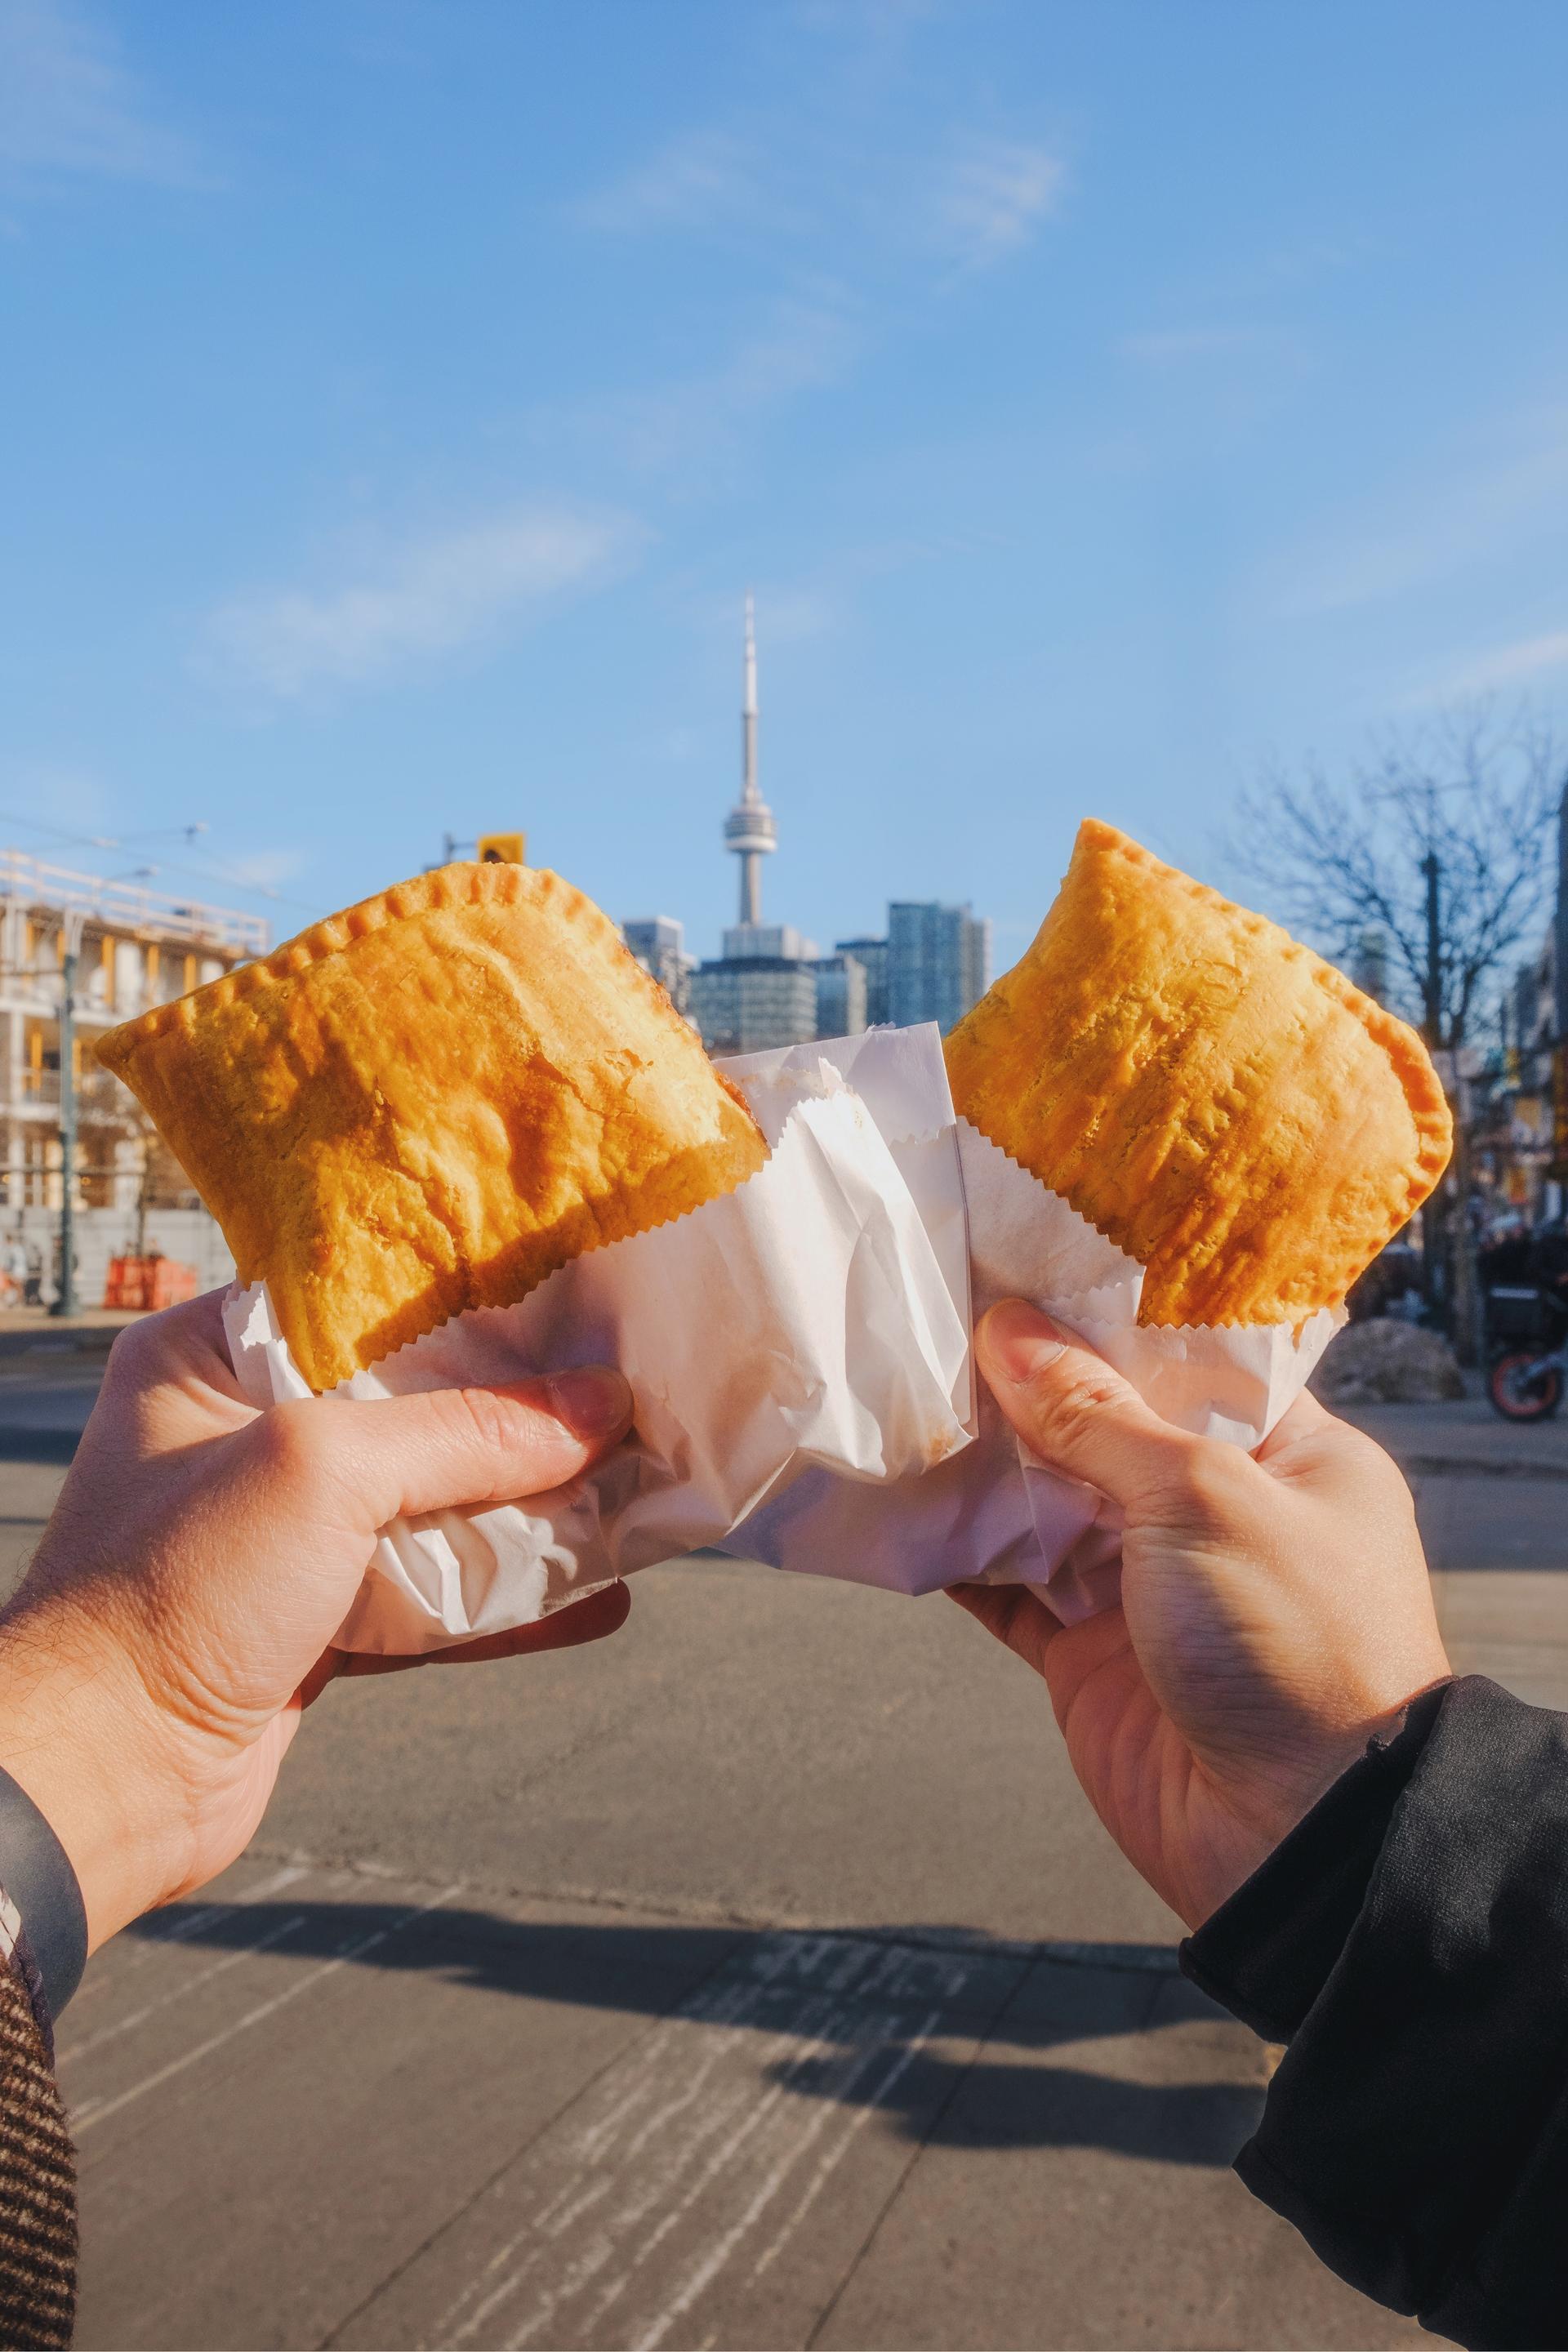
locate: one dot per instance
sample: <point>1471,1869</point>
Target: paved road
<point>759,1978</point>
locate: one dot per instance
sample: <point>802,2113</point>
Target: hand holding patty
<point>181,1607</point>
<point>1276,1612</point>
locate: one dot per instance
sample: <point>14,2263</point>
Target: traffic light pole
<point>1434,987</point>
<point>64,1295</point>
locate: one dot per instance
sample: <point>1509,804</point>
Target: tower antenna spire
<point>749,829</point>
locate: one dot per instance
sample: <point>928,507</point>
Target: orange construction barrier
<point>144,1283</point>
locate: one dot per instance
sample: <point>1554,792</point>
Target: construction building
<point>134,948</point>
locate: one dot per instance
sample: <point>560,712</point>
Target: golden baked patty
<point>432,1101</point>
<point>1214,1097</point>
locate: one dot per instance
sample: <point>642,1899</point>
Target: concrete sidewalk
<point>30,1336</point>
<point>321,2108</point>
<point>1441,1441</point>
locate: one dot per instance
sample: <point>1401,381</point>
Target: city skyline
<point>772,986</point>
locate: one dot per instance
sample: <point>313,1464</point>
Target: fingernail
<point>1018,1341</point>
<point>591,1399</point>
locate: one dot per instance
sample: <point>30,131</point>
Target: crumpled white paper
<point>994,1513</point>
<point>814,1320</point>
<point>799,1355</point>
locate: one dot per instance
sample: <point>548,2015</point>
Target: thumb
<point>1075,1412</point>
<point>385,1457</point>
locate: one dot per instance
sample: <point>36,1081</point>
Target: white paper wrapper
<point>994,1512</point>
<point>815,1319</point>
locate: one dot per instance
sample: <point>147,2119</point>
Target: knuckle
<point>1364,1455</point>
<point>490,1422</point>
<point>288,1440</point>
<point>480,1413</point>
<point>1209,1484</point>
<point>132,1352</point>
<point>1067,1412</point>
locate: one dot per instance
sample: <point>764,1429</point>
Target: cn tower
<point>749,829</point>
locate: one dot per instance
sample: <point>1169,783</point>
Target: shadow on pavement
<point>835,1992</point>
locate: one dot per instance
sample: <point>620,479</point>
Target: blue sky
<point>399,395</point>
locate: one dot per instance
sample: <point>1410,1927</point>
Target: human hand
<point>179,1613</point>
<point>1276,1612</point>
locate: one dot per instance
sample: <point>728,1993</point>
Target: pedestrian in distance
<point>15,1269</point>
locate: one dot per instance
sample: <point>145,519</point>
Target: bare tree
<point>1442,842</point>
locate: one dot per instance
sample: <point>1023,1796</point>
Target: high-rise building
<point>840,996</point>
<point>659,946</point>
<point>743,1004</point>
<point>938,961</point>
<point>744,939</point>
<point>871,955</point>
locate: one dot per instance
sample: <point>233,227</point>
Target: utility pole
<point>1434,1220</point>
<point>1434,988</point>
<point>1557,1173</point>
<point>1466,1308</point>
<point>65,1296</point>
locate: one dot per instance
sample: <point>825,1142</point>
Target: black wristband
<point>36,1874</point>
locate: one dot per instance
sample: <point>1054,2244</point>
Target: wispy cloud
<point>995,195</point>
<point>262,869</point>
<point>692,432</point>
<point>701,180</point>
<point>70,104</point>
<point>430,599</point>
<point>1478,513</point>
<point>1510,665</point>
<point>818,604</point>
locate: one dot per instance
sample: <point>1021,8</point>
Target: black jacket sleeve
<point>1409,1943</point>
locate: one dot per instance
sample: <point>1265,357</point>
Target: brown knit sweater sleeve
<point>38,2183</point>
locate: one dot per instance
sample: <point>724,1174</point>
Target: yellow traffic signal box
<point>502,848</point>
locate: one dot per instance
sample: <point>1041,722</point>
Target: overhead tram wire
<point>214,872</point>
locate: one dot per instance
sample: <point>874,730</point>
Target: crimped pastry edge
<point>464,883</point>
<point>1419,1082</point>
<point>1429,1104</point>
<point>1294,1324</point>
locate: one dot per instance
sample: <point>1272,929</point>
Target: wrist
<point>1268,1949</point>
<point>78,1733</point>
<point>1264,1809</point>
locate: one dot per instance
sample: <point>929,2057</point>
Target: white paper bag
<point>994,1512</point>
<point>816,1319</point>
